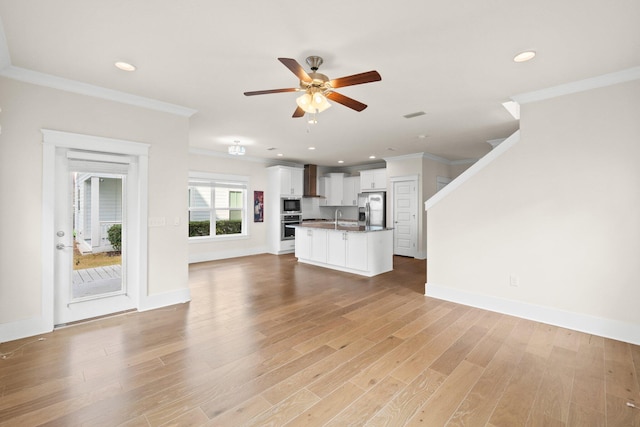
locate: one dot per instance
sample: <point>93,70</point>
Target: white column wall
<point>558,215</point>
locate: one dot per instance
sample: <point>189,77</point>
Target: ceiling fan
<point>317,87</point>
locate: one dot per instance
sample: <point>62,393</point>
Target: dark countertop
<point>327,225</point>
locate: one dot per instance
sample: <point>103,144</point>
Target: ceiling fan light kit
<point>318,88</point>
<point>313,102</point>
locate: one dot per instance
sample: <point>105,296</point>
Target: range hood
<point>310,181</point>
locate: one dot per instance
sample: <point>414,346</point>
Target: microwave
<point>290,205</point>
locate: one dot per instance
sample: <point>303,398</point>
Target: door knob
<point>61,246</point>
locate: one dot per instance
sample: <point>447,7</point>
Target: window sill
<point>211,239</point>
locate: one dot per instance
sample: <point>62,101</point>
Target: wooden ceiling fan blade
<point>296,69</point>
<point>346,101</point>
<point>298,113</point>
<point>356,79</point>
<point>264,92</point>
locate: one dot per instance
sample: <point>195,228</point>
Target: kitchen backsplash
<point>312,210</point>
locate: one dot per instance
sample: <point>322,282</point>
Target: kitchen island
<point>363,250</point>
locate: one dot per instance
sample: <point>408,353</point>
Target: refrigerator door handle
<point>367,217</point>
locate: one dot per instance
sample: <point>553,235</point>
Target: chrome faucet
<point>338,213</point>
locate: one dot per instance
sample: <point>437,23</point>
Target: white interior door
<point>405,218</point>
<point>90,198</point>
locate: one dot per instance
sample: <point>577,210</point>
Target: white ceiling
<point>450,59</point>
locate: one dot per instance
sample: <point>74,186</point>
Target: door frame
<point>137,244</point>
<point>415,179</point>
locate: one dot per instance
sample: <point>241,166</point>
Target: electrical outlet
<point>514,281</point>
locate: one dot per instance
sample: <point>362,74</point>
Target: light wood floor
<point>266,341</point>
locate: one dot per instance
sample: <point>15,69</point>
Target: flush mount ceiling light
<point>236,150</point>
<point>125,66</point>
<point>525,56</point>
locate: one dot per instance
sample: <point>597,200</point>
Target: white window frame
<point>213,179</point>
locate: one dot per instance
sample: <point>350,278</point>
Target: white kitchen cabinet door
<point>297,181</point>
<point>336,248</point>
<point>291,181</point>
<point>373,180</point>
<point>335,189</point>
<point>323,190</point>
<point>357,251</point>
<point>350,191</point>
<point>303,243</point>
<point>318,245</point>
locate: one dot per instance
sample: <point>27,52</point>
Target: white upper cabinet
<point>335,185</point>
<point>373,180</point>
<point>340,190</point>
<point>291,181</point>
<point>323,185</point>
<point>351,188</point>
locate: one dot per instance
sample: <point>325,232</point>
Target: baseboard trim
<point>215,256</point>
<point>24,328</point>
<point>37,325</point>
<point>165,299</point>
<point>609,328</point>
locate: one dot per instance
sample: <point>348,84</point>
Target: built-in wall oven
<point>289,233</point>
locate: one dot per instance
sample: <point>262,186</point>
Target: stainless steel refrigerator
<point>371,209</point>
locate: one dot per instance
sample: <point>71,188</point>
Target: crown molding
<point>68,85</point>
<point>48,80</point>
<point>579,86</point>
<point>430,156</point>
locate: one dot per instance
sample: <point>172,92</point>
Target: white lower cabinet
<point>367,253</point>
<point>347,249</point>
<point>336,248</point>
<point>303,243</point>
<point>356,249</point>
<point>311,244</point>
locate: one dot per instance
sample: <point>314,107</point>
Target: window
<point>217,205</point>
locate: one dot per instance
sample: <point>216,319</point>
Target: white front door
<point>405,225</point>
<point>90,198</point>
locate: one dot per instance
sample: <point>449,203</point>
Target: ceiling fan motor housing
<point>314,62</point>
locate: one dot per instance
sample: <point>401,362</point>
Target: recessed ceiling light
<point>280,154</point>
<point>312,148</point>
<point>340,161</point>
<point>372,157</point>
<point>125,66</point>
<point>525,56</point>
<point>422,136</point>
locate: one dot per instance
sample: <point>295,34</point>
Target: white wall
<point>26,109</point>
<point>558,213</point>
<point>256,242</point>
